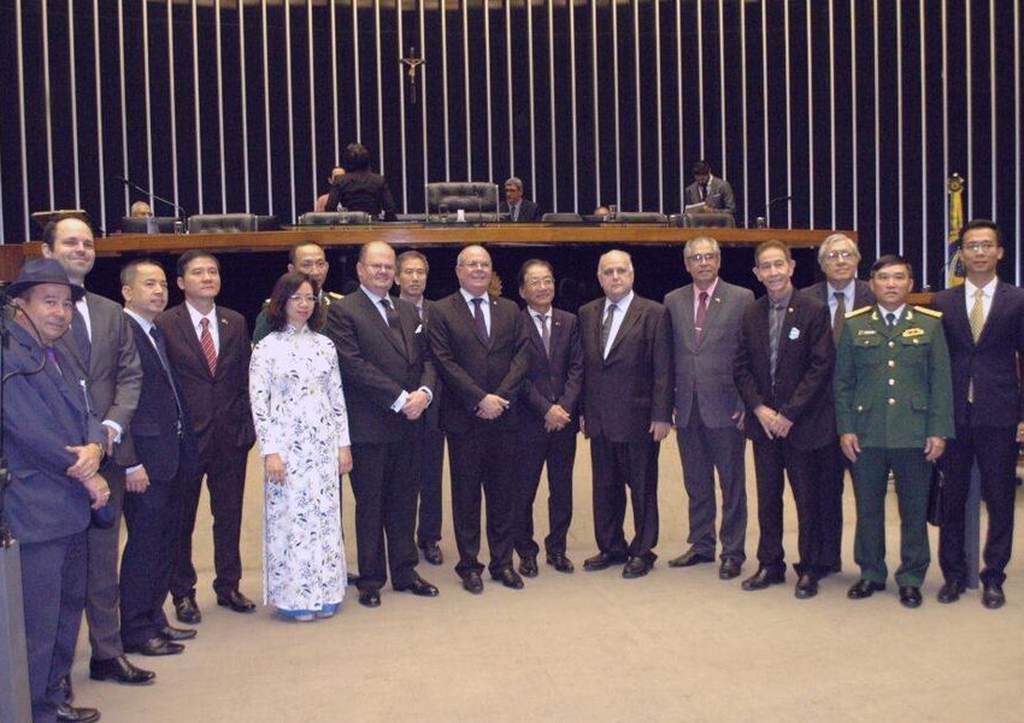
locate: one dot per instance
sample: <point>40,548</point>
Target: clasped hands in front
<point>491,406</point>
<point>774,423</point>
<point>86,470</point>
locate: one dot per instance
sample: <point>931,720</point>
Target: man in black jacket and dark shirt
<point>360,189</point>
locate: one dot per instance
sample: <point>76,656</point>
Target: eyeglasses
<point>834,255</point>
<point>380,268</point>
<point>702,258</point>
<point>299,298</point>
<point>541,282</point>
<point>476,265</point>
<point>979,246</point>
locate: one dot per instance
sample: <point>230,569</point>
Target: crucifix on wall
<point>412,62</point>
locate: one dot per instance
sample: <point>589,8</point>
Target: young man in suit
<point>479,347</point>
<point>208,346</point>
<point>550,395</point>
<point>715,193</point>
<point>518,208</point>
<point>783,371</point>
<point>101,340</point>
<point>627,411</point>
<point>984,323</point>
<point>413,271</point>
<point>388,386</point>
<point>838,258</point>
<point>163,443</point>
<point>706,317</point>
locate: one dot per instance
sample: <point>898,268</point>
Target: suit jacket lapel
<point>961,322</point>
<point>370,308</point>
<point>689,328</point>
<point>632,314</point>
<point>998,299</point>
<point>185,328</point>
<point>714,311</point>
<point>463,310</point>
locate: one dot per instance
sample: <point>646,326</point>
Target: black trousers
<point>152,518</point>
<point>773,461</point>
<point>831,481</point>
<point>53,592</point>
<point>384,484</point>
<point>558,451</point>
<point>101,590</point>
<point>484,459</point>
<point>430,471</point>
<point>995,449</point>
<point>225,478</point>
<point>617,465</point>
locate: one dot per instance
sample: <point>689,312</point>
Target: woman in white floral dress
<point>299,409</point>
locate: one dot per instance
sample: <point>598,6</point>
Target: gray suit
<point>114,383</point>
<point>705,402</point>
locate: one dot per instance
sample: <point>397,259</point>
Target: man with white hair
<point>518,209</point>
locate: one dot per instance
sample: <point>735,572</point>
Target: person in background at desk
<point>519,209</point>
<point>359,188</point>
<point>984,323</point>
<point>140,209</point>
<point>715,193</point>
<point>336,173</point>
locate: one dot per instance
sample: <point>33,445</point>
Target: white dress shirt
<point>620,313</point>
<point>197,326</point>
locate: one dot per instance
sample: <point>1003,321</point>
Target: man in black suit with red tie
<point>983,319</point>
<point>549,424</point>
<point>388,386</point>
<point>783,371</point>
<point>479,345</point>
<point>838,257</point>
<point>627,411</point>
<point>162,441</point>
<point>208,346</point>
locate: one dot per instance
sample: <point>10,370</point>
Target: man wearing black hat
<point>54,448</point>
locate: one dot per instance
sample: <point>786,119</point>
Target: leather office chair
<point>152,224</point>
<point>222,223</point>
<point>638,217</point>
<point>268,223</point>
<point>561,218</point>
<point>334,218</point>
<point>478,200</point>
<point>411,217</point>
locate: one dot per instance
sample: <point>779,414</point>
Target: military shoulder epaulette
<point>857,312</point>
<point>929,312</point>
<point>335,295</point>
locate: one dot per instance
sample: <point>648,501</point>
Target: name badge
<point>915,331</point>
<point>794,334</point>
<point>866,332</point>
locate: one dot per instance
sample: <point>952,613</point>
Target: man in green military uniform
<point>309,258</point>
<point>894,411</point>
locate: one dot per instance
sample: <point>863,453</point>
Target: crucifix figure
<point>413,62</point>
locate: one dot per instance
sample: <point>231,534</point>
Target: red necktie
<point>702,311</point>
<point>206,341</point>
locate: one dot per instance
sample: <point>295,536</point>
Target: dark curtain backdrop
<point>842,105</point>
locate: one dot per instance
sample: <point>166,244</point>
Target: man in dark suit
<point>208,346</point>
<point>309,258</point>
<point>518,208</point>
<point>54,448</point>
<point>388,379</point>
<point>984,323</point>
<point>550,395</point>
<point>162,440</point>
<point>838,258</point>
<point>413,271</point>
<point>715,193</point>
<point>627,411</point>
<point>360,189</point>
<point>783,371</point>
<point>706,317</point>
<point>479,346</point>
<point>101,341</point>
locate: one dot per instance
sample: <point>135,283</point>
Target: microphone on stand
<point>761,220</point>
<point>179,211</point>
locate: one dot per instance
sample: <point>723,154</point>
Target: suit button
<point>891,401</point>
<point>892,382</point>
<point>860,407</point>
<point>892,344</point>
<point>892,363</point>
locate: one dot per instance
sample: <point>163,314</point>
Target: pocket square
<point>419,329</point>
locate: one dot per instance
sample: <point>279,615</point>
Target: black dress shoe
<point>806,586</point>
<point>176,635</point>
<point>950,592</point>
<point>528,566</point>
<point>119,669</point>
<point>236,601</point>
<point>186,610</point>
<point>636,567</point>
<point>418,586</point>
<point>763,578</point>
<point>509,578</point>
<point>432,553</point>
<point>729,569</point>
<point>560,562</point>
<point>910,596</point>
<point>471,582</point>
<point>690,558</point>
<point>155,646</point>
<point>864,588</point>
<point>369,598</point>
<point>601,561</point>
<point>992,596</point>
<point>77,715</point>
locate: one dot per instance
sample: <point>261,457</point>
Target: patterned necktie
<point>478,320</point>
<point>840,317</point>
<point>206,341</point>
<point>394,321</point>
<point>545,333</point>
<point>977,317</point>
<point>606,328</point>
<point>702,312</point>
<point>775,318</point>
<point>515,213</point>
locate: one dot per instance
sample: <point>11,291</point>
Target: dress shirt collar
<point>373,296</point>
<point>882,311</point>
<point>622,304</point>
<point>848,296</point>
<point>469,297</point>
<point>198,316</point>
<point>990,288</point>
<point>144,323</point>
<point>710,291</point>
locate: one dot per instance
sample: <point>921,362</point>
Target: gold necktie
<point>977,321</point>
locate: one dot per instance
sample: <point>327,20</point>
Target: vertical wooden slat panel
<point>266,109</point>
<point>853,107</point>
<point>832,103</point>
<point>789,120</point>
<point>743,93</point>
<point>700,73</point>
<point>400,77</point>
<point>924,145</point>
<point>72,57</point>
<point>197,100</point>
<point>899,119</point>
<point>1019,231</point>
<point>149,109</point>
<point>878,139</point>
<point>245,108</point>
<point>552,94</point>
<point>48,98</point>
<point>636,107</point>
<point>968,70</point>
<point>173,105</point>
<point>810,115</point>
<point>487,88</point>
<point>572,94</point>
<point>314,166</point>
<point>945,138</point>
